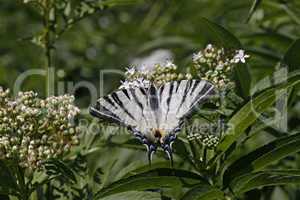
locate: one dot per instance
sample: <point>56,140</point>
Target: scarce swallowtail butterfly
<point>154,114</point>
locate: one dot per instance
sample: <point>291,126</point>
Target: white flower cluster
<point>140,82</point>
<point>216,64</point>
<point>208,140</point>
<point>159,75</point>
<point>33,130</point>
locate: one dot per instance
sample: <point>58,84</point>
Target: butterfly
<point>154,114</point>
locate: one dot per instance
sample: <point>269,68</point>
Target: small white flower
<point>140,82</point>
<point>124,85</point>
<point>170,64</point>
<point>220,67</point>
<point>197,56</point>
<point>209,46</point>
<point>189,76</point>
<point>240,56</point>
<point>130,71</point>
<point>143,82</point>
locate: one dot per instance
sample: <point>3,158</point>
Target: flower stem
<point>48,46</point>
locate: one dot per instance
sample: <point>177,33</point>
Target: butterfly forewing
<point>129,107</point>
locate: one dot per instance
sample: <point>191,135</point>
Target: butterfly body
<point>155,114</point>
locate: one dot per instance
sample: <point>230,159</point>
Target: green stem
<point>48,45</point>
<point>24,191</point>
<point>48,62</point>
<point>205,156</point>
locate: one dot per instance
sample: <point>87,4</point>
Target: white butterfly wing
<point>130,107</point>
<point>144,109</point>
<point>179,98</point>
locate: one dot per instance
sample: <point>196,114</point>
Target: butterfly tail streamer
<point>150,151</point>
<point>169,153</point>
<point>149,158</point>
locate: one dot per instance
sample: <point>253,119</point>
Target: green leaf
<point>8,182</point>
<point>203,193</point>
<point>56,167</point>
<point>262,157</point>
<point>134,195</point>
<point>248,114</point>
<point>276,40</point>
<point>222,37</point>
<point>4,197</point>
<point>219,35</point>
<point>266,54</point>
<point>254,6</point>
<point>112,3</point>
<point>140,167</point>
<point>291,57</point>
<point>252,181</point>
<point>153,179</point>
<point>167,42</point>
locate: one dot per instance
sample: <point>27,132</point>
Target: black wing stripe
<point>121,105</point>
<point>161,92</point>
<point>187,87</point>
<point>139,103</point>
<point>203,93</point>
<point>126,93</point>
<point>102,112</point>
<point>117,99</point>
<point>153,98</point>
<point>194,86</point>
<point>136,99</point>
<point>170,93</point>
<point>110,102</point>
<point>143,91</point>
<point>169,98</point>
<point>106,111</point>
<point>178,84</point>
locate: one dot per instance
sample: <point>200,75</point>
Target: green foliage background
<point>111,37</point>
